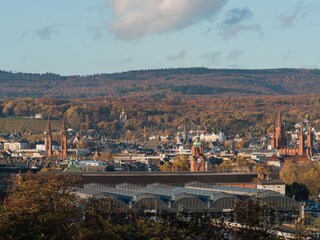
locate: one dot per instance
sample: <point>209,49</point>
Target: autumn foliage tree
<point>40,206</point>
<point>179,163</point>
<point>305,172</point>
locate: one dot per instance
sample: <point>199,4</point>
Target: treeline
<point>168,113</point>
<point>186,81</point>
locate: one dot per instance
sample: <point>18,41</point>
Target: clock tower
<point>197,162</point>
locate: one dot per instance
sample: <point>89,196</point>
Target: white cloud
<point>133,19</point>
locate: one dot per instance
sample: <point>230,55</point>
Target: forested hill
<point>157,83</point>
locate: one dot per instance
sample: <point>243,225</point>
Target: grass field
<point>23,125</point>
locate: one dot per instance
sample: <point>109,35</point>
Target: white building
<point>42,147</point>
<point>28,153</point>
<point>275,185</point>
<point>220,137</point>
<point>137,157</point>
<point>15,145</point>
<point>91,163</point>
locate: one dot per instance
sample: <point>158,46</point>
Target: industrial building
<point>194,197</point>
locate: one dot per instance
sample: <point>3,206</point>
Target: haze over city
<point>87,37</point>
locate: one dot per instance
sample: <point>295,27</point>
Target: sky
<point>82,37</point>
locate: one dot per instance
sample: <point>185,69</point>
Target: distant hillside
<point>156,83</point>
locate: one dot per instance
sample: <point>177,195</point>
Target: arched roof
<point>149,203</point>
<point>116,203</point>
<point>280,202</point>
<point>189,203</point>
<point>201,198</point>
<point>223,202</point>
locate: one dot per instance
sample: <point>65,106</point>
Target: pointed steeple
<point>64,125</point>
<point>280,134</point>
<point>301,141</point>
<point>310,139</point>
<point>279,118</point>
<point>49,125</point>
<point>63,139</point>
<point>48,140</point>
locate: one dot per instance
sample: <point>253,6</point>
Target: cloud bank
<point>134,19</point>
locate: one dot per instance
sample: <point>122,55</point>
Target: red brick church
<point>279,140</point>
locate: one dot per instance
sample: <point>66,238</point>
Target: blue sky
<point>103,36</point>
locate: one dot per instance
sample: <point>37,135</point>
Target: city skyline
<point>105,36</point>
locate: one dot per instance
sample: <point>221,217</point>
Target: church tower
<point>310,140</point>
<point>280,141</point>
<point>301,148</point>
<point>48,140</point>
<point>63,139</point>
<point>197,163</point>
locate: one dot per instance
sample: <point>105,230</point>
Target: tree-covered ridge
<point>161,114</point>
<point>185,81</point>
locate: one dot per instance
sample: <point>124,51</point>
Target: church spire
<point>279,119</point>
<point>280,138</point>
<point>301,141</point>
<point>48,140</point>
<point>63,139</point>
<point>310,139</point>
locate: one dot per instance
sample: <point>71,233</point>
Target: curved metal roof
<point>195,196</point>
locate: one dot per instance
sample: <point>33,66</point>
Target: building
<point>197,162</point>
<point>64,140</point>
<point>220,137</point>
<point>279,136</point>
<point>275,185</point>
<point>279,140</point>
<point>194,197</point>
<point>121,158</point>
<point>41,146</point>
<point>15,145</point>
<point>48,140</point>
